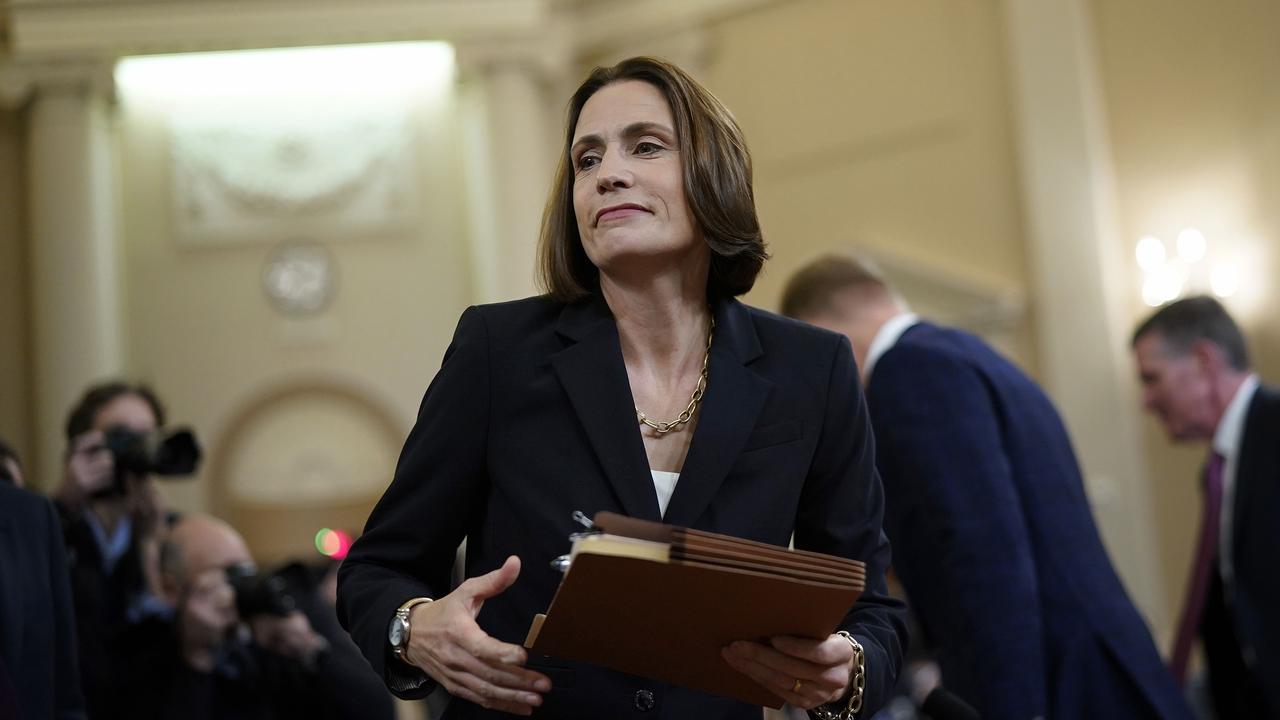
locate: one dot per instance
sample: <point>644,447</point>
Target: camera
<point>162,453</point>
<point>269,594</point>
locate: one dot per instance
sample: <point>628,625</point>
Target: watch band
<point>402,614</point>
<point>857,685</point>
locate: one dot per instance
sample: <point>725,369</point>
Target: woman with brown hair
<point>639,385</point>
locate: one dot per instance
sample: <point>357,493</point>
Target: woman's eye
<point>647,148</point>
<point>587,161</point>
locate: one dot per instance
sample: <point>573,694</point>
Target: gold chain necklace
<point>662,428</point>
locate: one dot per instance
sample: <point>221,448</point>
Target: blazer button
<point>644,700</point>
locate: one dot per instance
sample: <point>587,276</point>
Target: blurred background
<point>273,212</point>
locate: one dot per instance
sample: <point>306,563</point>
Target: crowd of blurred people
<point>114,606</point>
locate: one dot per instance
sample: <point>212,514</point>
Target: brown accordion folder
<point>661,601</point>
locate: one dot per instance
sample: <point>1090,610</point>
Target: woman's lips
<point>618,212</point>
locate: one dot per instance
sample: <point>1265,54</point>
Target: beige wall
<point>201,330</point>
<point>1194,117</point>
<point>15,376</point>
<point>881,126</point>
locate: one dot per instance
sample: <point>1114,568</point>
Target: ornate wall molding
<point>349,173</point>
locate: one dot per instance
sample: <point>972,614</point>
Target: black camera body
<point>166,454</point>
<point>269,594</point>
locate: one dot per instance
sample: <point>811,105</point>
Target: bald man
<point>217,664</point>
<point>194,563</point>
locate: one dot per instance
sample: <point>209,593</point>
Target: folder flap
<point>616,524</point>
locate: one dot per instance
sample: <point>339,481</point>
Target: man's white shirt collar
<point>886,337</point>
<point>1226,439</point>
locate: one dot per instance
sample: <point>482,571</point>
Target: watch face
<point>396,636</point>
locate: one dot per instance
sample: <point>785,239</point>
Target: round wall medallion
<point>300,278</point>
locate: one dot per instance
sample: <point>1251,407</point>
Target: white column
<point>1078,270</point>
<point>510,146</point>
<point>74,281</point>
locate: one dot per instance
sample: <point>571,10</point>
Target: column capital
<point>23,79</point>
<point>547,58</point>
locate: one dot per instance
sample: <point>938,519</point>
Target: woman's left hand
<point>805,673</point>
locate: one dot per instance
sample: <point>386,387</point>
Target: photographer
<point>238,646</point>
<point>112,517</point>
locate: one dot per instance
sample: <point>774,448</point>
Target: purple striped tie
<point>1198,586</point>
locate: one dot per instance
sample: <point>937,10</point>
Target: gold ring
<point>799,684</point>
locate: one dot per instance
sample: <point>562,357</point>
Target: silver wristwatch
<point>398,633</point>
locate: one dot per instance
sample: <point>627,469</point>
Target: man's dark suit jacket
<point>106,638</point>
<point>1242,634</point>
<point>249,683</point>
<point>531,417</point>
<point>37,633</point>
<point>995,543</point>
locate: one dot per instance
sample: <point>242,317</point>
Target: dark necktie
<point>1198,586</point>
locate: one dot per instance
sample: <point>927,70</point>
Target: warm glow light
<point>1151,292</point>
<point>1151,253</point>
<point>1191,245</point>
<point>1163,285</point>
<point>1224,280</point>
<point>371,71</point>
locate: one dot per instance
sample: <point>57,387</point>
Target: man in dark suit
<point>991,529</point>
<point>1195,375</point>
<point>39,675</point>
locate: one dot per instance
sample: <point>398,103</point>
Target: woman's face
<point>628,188</point>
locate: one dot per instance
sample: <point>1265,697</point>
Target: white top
<point>886,337</point>
<point>1226,442</point>
<point>665,484</point>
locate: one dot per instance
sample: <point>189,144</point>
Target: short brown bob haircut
<point>717,182</point>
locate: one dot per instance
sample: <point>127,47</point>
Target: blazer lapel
<point>734,398</point>
<point>594,377</point>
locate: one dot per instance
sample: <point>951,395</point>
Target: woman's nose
<point>613,173</point>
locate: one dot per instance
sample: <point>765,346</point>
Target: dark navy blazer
<point>1242,633</point>
<point>995,543</point>
<point>37,632</point>
<point>531,417</point>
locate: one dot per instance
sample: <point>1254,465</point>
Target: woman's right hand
<point>447,644</point>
